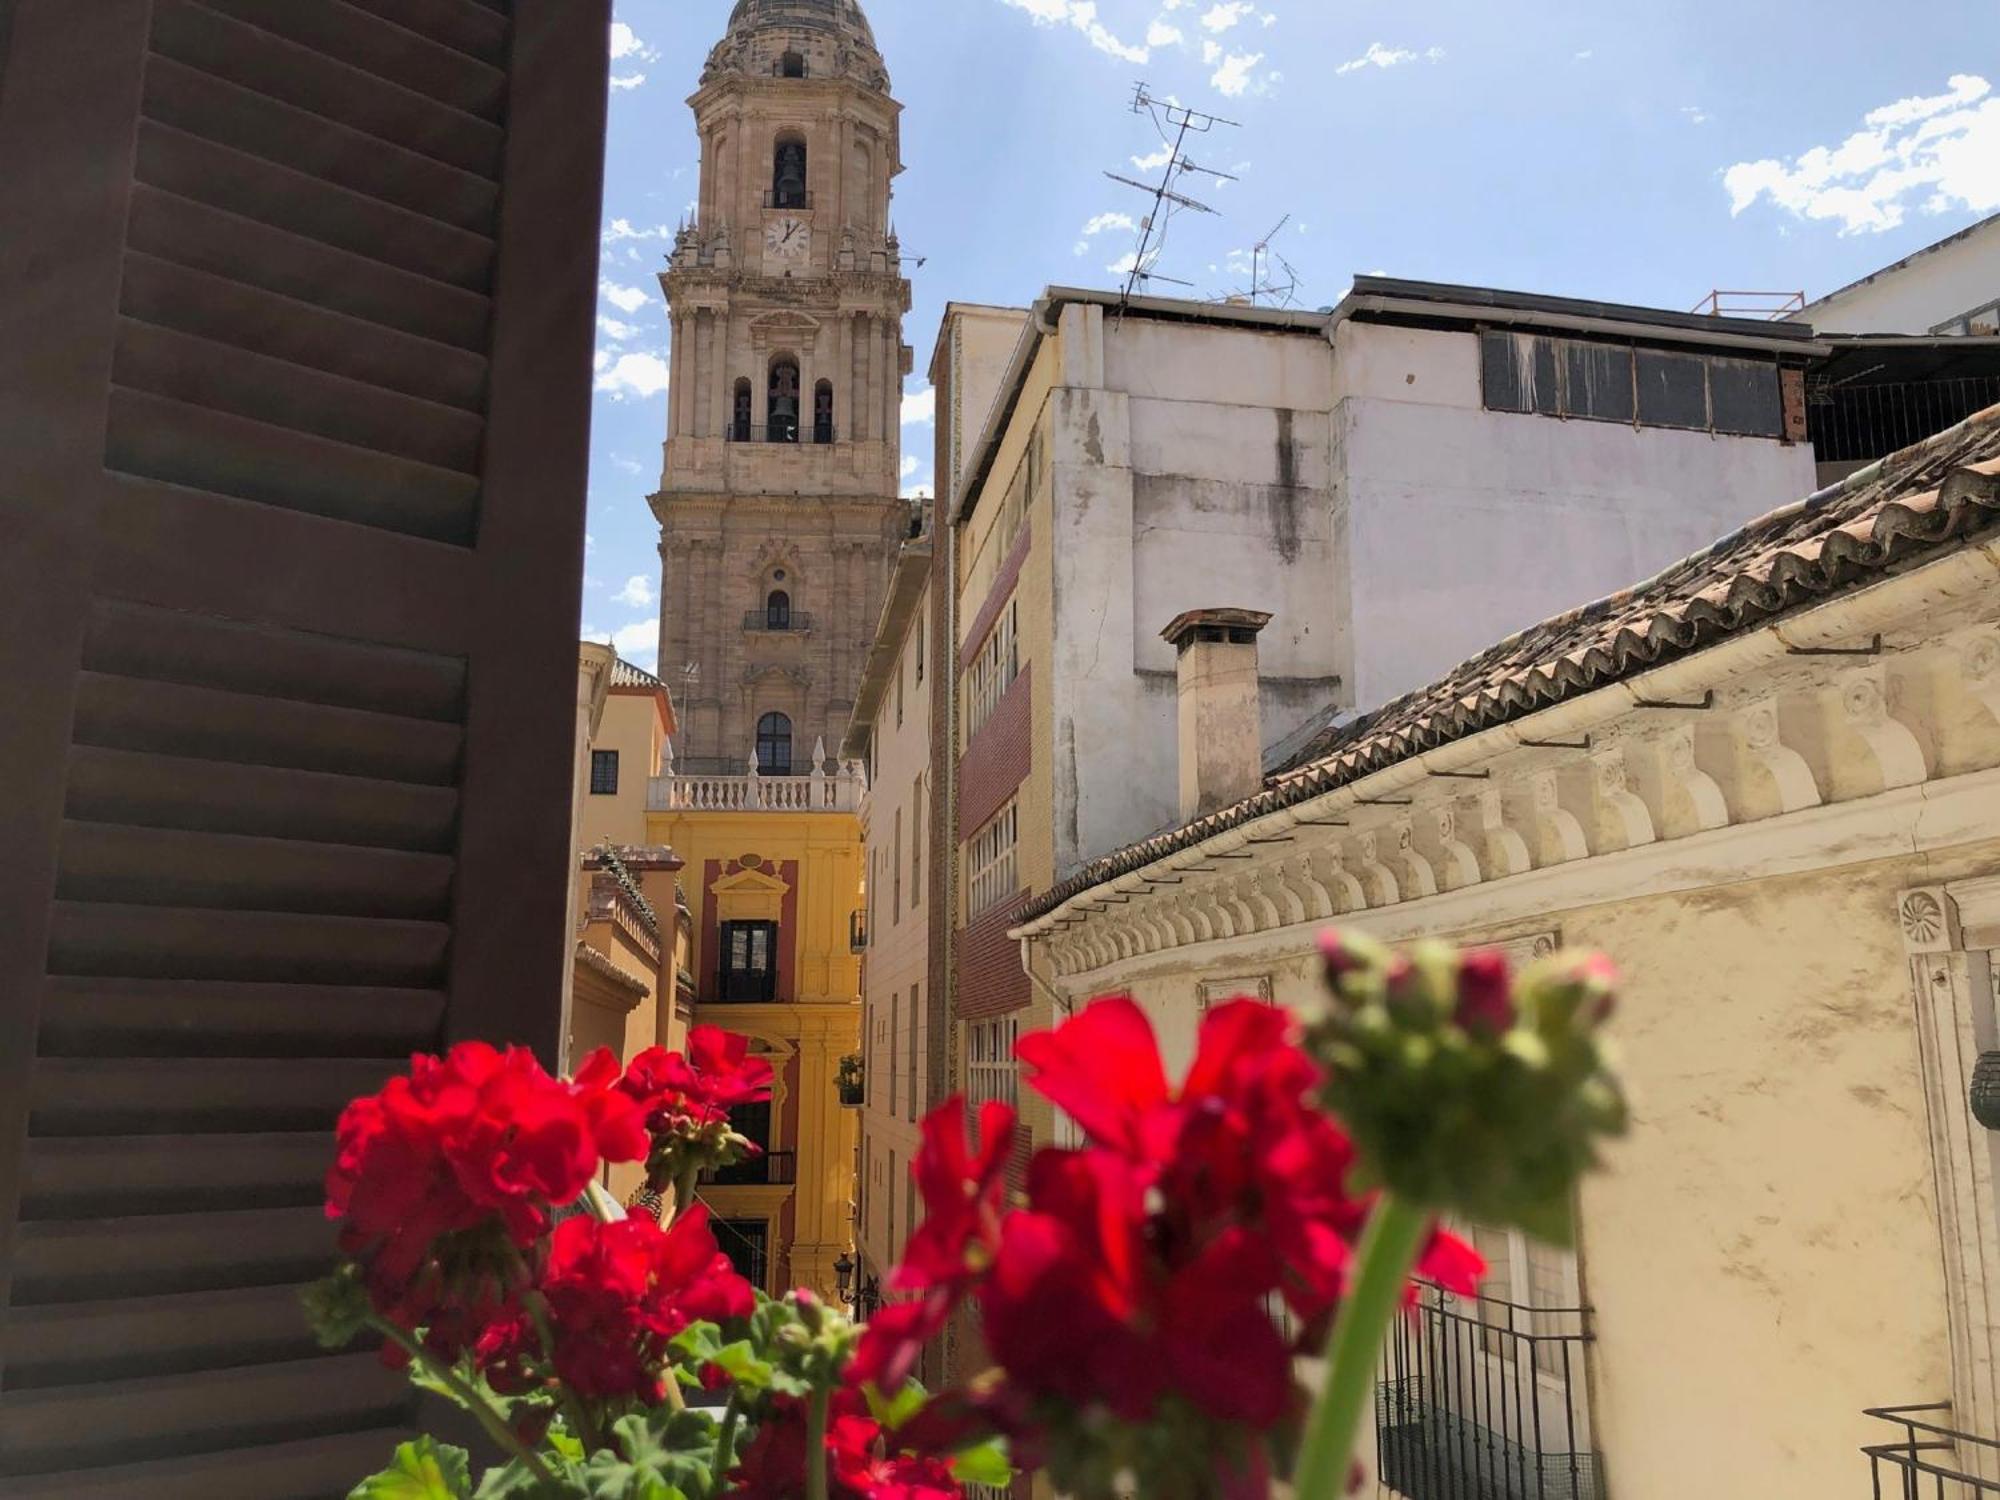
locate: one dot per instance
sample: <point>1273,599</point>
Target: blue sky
<point>1639,153</point>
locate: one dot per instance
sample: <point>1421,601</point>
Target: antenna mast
<point>1175,123</point>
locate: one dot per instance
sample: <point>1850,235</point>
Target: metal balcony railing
<point>771,1169</point>
<point>760,620</point>
<point>1487,1400</point>
<point>796,434</point>
<point>1931,1460</point>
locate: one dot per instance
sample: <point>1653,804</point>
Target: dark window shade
<point>749,968</point>
<point>1597,381</point>
<point>604,773</point>
<point>747,1244</point>
<point>1673,390</point>
<point>1519,373</point>
<point>1746,398</point>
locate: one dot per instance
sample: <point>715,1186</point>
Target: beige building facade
<point>1767,782</point>
<point>778,505</point>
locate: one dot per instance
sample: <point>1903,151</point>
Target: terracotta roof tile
<point>1936,494</point>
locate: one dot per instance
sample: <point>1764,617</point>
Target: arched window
<point>823,412</point>
<point>774,745</point>
<point>781,405</point>
<point>792,65</point>
<point>739,422</point>
<point>788,174</point>
<point>778,611</point>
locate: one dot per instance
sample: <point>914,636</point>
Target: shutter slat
<point>314,1469</point>
<point>80,1176</point>
<point>69,1343</point>
<point>63,1260</point>
<point>184,1095</point>
<point>165,942</point>
<point>88,1017</point>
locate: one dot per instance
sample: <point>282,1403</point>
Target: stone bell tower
<point>778,506</point>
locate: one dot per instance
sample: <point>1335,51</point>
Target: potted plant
<point>1145,1306</point>
<point>850,1082</point>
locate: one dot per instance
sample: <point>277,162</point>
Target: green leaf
<point>518,1482</point>
<point>563,1443</point>
<point>424,1470</point>
<point>740,1362</point>
<point>986,1464</point>
<point>893,1411</point>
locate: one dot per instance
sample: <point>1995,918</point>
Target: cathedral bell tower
<point>778,506</point>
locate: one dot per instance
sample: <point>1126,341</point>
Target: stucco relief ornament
<point>1680,753</point>
<point>1545,793</point>
<point>1925,920</point>
<point>1611,775</point>
<point>1760,727</point>
<point>1982,658</point>
<point>1447,824</point>
<point>1862,701</point>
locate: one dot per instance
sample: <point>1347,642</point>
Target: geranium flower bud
<point>1352,956</point>
<point>1485,994</point>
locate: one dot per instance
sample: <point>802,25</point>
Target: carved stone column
<point>1950,933</point>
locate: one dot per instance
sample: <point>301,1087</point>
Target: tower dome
<point>832,38</point>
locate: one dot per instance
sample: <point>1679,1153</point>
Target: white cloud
<point>625,42</point>
<point>627,80</point>
<point>639,642</point>
<point>911,463</point>
<point>1153,161</point>
<point>628,465</point>
<point>624,229</point>
<point>611,328</point>
<point>1211,51</point>
<point>1695,114</point>
<point>1082,15</point>
<point>1234,76</point>
<point>1940,152</point>
<point>626,375</point>
<point>638,592</point>
<point>627,299</point>
<point>1163,33</point>
<point>1379,56</point>
<point>920,407</point>
<point>1101,222</point>
<point>1225,14</point>
<point>1586,55</point>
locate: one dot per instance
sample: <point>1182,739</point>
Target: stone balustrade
<point>818,792</point>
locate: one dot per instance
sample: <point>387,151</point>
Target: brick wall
<point>998,759</point>
<point>991,981</point>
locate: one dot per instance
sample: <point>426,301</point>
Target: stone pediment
<point>782,326</point>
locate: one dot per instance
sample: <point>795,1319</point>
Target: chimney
<point>1221,727</point>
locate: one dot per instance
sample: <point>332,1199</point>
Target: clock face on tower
<point>788,239</point>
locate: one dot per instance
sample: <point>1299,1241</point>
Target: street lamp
<point>843,1272</point>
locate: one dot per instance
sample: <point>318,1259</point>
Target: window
<point>778,610</point>
<point>774,745</point>
<point>1604,382</point>
<point>896,871</point>
<point>781,403</point>
<point>920,650</point>
<point>753,1123</point>
<point>792,65</point>
<point>910,1105</point>
<point>1529,1289</point>
<point>604,773</point>
<point>823,412</point>
<point>895,1029</point>
<point>917,844</point>
<point>788,173</point>
<point>1020,496</point>
<point>895,1245</point>
<point>993,671</point>
<point>749,970</point>
<point>989,1062</point>
<point>747,1244</point>
<point>899,695</point>
<point>739,425</point>
<point>991,859</point>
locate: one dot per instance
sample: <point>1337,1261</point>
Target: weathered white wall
<point>1191,469</point>
<point>1944,282</point>
<point>1460,526</point>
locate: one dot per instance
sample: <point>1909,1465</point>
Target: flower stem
<point>725,1441</point>
<point>816,1488</point>
<point>1389,1246</point>
<point>683,1193</point>
<point>470,1399</point>
<point>573,1407</point>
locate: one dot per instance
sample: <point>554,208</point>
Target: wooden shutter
<point>296,303</point>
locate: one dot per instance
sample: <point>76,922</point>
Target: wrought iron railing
<point>1861,423</point>
<point>1487,1400</point>
<point>771,1169</point>
<point>761,620</point>
<point>811,434</point>
<point>1931,1460</point>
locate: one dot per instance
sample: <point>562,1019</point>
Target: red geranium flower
<point>860,1464</point>
<point>700,1086</point>
<point>617,1293</point>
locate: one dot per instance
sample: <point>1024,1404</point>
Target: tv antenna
<point>1175,123</point>
<point>1264,280</point>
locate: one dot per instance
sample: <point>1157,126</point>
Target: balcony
<point>1930,1460</point>
<point>759,621</point>
<point>771,1169</point>
<point>1487,1401</point>
<point>819,792</point>
<point>810,434</point>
